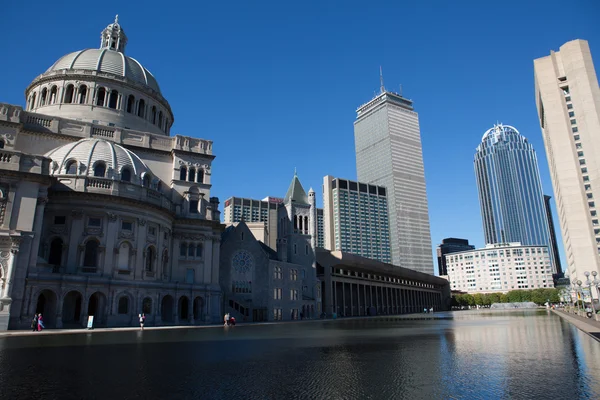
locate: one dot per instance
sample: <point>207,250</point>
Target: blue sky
<point>276,84</point>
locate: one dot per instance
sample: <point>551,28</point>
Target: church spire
<point>113,37</point>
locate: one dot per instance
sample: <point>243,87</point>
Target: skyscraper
<point>356,218</point>
<point>450,245</point>
<point>553,243</point>
<point>568,103</point>
<point>510,189</point>
<point>389,154</point>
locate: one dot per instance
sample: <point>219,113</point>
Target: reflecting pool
<point>462,355</point>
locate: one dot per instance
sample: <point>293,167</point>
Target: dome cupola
<point>102,86</point>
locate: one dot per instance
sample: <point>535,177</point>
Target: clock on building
<point>242,261</point>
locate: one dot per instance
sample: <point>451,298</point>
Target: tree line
<point>538,296</point>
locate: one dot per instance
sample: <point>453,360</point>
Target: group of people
<point>228,320</point>
<point>37,323</point>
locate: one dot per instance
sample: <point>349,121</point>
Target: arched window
<point>141,108</point>
<point>100,169</point>
<point>295,222</point>
<point>160,119</point>
<point>192,175</point>
<point>153,115</point>
<point>69,94</point>
<point>82,94</point>
<point>100,97</point>
<point>90,257</point>
<point>53,93</point>
<point>146,180</point>
<point>113,100</point>
<point>183,173</point>
<point>199,250</point>
<point>166,125</point>
<point>300,225</point>
<point>183,250</point>
<point>43,97</point>
<point>147,305</point>
<point>56,248</point>
<point>123,259</point>
<point>32,104</point>
<point>123,305</point>
<point>71,168</point>
<point>150,256</point>
<point>126,175</point>
<point>130,104</point>
<point>306,225</point>
<point>200,178</point>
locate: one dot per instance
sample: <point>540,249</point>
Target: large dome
<point>108,61</point>
<point>82,157</point>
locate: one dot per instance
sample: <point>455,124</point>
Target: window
<point>576,137</point>
<point>126,175</point>
<point>71,167</point>
<point>113,99</point>
<point>573,121</point>
<point>575,129</point>
<point>146,180</point>
<point>591,204</point>
<point>43,97</point>
<point>295,249</point>
<point>130,104</point>
<point>277,273</point>
<point>568,98</point>
<point>277,294</point>
<point>100,169</point>
<point>60,220</point>
<point>1,144</point>
<point>191,250</point>
<point>303,274</point>
<point>95,222</point>
<point>200,177</point>
<point>584,170</point>
<point>589,195</point>
<point>153,114</point>
<point>569,106</point>
<point>82,94</point>
<point>580,154</point>
<point>571,113</point>
<point>127,226</point>
<point>123,305</point>
<point>100,97</point>
<point>141,108</point>
<point>293,274</point>
<point>150,256</point>
<point>577,145</point>
<point>182,173</point>
<point>293,294</point>
<point>587,187</point>
<point>199,250</point>
<point>53,92</point>
<point>123,258</point>
<point>582,161</point>
<point>152,230</point>
<point>586,178</point>
<point>90,257</point>
<point>56,249</point>
<point>192,175</point>
<point>183,250</point>
<point>189,275</point>
<point>194,207</point>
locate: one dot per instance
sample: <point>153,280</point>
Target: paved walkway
<point>588,325</point>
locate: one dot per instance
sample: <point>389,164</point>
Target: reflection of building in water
<point>500,268</point>
<point>354,285</point>
<point>102,212</point>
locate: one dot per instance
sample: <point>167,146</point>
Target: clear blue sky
<point>276,84</point>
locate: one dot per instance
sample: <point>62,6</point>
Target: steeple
<point>113,37</point>
<point>296,192</point>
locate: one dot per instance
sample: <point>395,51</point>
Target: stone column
<point>37,229</point>
<point>208,261</point>
<point>10,270</point>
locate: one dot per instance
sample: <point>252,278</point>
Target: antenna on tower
<point>382,88</point>
<point>400,90</point>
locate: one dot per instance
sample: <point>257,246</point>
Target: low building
<point>355,286</point>
<point>450,245</point>
<point>500,268</point>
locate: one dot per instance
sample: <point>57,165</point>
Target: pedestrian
<point>142,318</point>
<point>34,323</point>
<point>40,325</point>
<point>232,320</point>
<point>227,318</point>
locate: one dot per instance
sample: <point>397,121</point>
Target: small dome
<point>89,153</point>
<point>108,61</point>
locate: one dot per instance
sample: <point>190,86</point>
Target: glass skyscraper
<point>510,189</point>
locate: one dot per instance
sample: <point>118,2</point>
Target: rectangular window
<point>586,178</point>
<point>584,170</point>
<point>576,137</point>
<point>587,187</point>
<point>127,226</point>
<point>193,206</point>
<point>577,145</point>
<point>573,121</point>
<point>189,275</point>
<point>591,204</point>
<point>580,154</point>
<point>277,293</point>
<point>152,231</point>
<point>568,98</point>
<point>60,220</point>
<point>589,196</point>
<point>94,221</point>
<point>582,162</point>
<point>571,113</point>
<point>575,130</point>
<point>569,106</point>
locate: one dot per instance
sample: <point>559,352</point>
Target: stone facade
<point>102,212</point>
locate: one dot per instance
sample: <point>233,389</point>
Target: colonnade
<point>357,299</point>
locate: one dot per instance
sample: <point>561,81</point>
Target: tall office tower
<point>568,103</point>
<point>265,210</point>
<point>356,218</point>
<point>448,246</point>
<point>510,189</point>
<point>553,243</point>
<point>389,154</point>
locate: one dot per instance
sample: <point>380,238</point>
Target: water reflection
<point>464,356</point>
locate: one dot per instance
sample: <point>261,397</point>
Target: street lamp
<point>596,283</point>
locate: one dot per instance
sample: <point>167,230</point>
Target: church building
<point>103,212</point>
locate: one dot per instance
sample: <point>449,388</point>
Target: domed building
<point>102,212</point>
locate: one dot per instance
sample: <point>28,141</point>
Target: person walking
<point>40,324</point>
<point>34,323</point>
<point>142,320</point>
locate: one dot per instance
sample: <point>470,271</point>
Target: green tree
<point>503,298</point>
<point>478,299</point>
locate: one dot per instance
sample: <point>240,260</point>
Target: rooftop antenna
<point>382,88</point>
<point>400,90</point>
